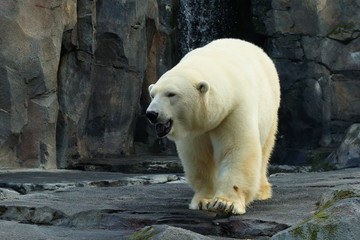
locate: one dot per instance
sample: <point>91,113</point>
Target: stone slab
<point>122,204</point>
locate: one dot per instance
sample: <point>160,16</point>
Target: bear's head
<point>177,105</point>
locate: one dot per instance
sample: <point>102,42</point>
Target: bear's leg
<point>265,186</point>
<point>196,155</point>
<point>237,152</point>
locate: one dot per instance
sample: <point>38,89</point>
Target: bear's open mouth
<point>163,129</point>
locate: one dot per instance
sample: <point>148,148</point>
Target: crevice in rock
<point>248,228</point>
<point>32,215</point>
<point>26,188</point>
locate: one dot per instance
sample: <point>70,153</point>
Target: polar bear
<point>220,105</point>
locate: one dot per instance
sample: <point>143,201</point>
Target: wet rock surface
<point>101,205</point>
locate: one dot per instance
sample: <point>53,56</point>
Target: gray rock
<point>72,115</point>
<point>57,106</point>
<point>5,193</point>
<point>30,48</point>
<point>344,33</point>
<point>302,114</point>
<point>288,16</point>
<point>10,230</point>
<point>347,105</point>
<point>316,48</point>
<point>338,217</point>
<point>348,153</point>
<point>118,205</point>
<point>339,193</point>
<point>346,60</point>
<point>129,43</point>
<point>25,182</point>
<point>164,232</point>
<point>55,103</point>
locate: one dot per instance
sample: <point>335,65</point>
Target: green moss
<point>144,234</point>
<point>340,28</point>
<point>310,228</point>
<point>339,195</point>
<point>318,217</point>
<point>298,232</point>
<point>317,157</point>
<point>314,233</point>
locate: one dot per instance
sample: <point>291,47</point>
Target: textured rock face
<point>30,44</point>
<point>73,74</point>
<point>115,49</point>
<point>348,153</point>
<point>315,45</point>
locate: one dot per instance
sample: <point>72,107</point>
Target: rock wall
<point>113,53</point>
<point>316,48</point>
<point>30,44</point>
<point>72,75</point>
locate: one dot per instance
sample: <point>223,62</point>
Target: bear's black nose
<point>152,116</point>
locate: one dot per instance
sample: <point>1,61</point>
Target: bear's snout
<point>152,116</point>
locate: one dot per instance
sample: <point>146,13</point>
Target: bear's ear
<point>202,86</point>
<point>150,87</point>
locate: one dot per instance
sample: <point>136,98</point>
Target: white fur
<point>224,114</point>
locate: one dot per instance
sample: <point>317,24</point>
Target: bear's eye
<point>171,94</point>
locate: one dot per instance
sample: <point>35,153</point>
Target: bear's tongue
<point>163,129</point>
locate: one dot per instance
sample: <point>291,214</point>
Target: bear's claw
<point>222,205</point>
<point>202,204</point>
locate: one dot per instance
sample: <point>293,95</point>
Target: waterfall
<point>201,21</point>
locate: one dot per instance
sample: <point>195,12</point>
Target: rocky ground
<point>74,204</point>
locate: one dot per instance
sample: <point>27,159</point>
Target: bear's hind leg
<point>265,187</point>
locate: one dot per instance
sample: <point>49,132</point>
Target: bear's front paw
<point>201,204</point>
<point>224,205</point>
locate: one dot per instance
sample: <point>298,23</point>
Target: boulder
<point>348,153</point>
<point>165,232</point>
<point>338,217</point>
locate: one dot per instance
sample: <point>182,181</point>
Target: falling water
<point>201,21</point>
